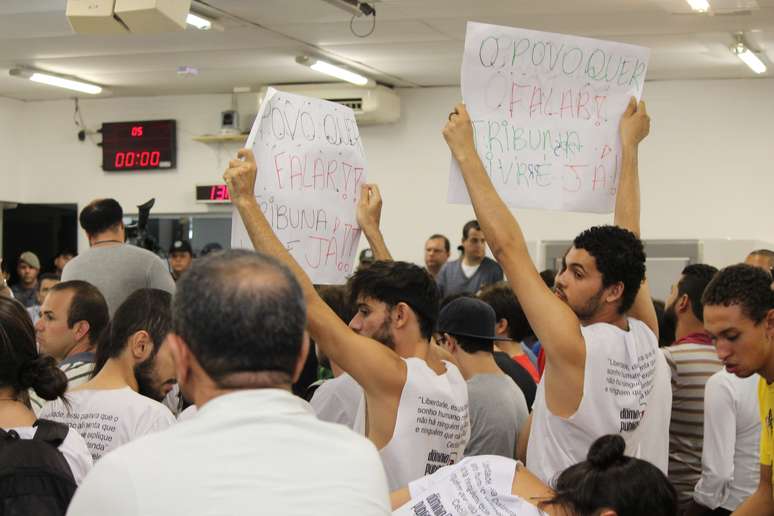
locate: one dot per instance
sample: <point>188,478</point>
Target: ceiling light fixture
<point>700,6</point>
<point>198,21</point>
<point>743,52</point>
<point>56,80</point>
<point>327,68</point>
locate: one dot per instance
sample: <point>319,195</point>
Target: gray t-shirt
<point>119,270</point>
<point>452,280</point>
<point>498,411</point>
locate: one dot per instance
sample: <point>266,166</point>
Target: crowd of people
<point>230,384</point>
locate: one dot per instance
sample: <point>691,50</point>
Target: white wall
<point>10,142</point>
<point>706,168</point>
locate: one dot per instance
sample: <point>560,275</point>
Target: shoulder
<point>110,488</point>
<point>451,266</point>
<point>491,264</point>
<point>77,455</point>
<point>50,409</point>
<point>153,409</point>
<point>720,381</point>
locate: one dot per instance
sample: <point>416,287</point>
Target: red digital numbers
<point>219,193</point>
<point>142,159</point>
<point>137,131</point>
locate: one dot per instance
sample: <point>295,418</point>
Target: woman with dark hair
<point>607,483</point>
<point>21,369</point>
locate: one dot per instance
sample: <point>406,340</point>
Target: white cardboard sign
<point>311,165</point>
<point>545,110</point>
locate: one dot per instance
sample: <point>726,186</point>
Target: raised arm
<point>634,127</point>
<point>553,321</point>
<point>369,215</point>
<point>375,367</point>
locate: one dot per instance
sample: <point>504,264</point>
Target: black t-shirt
<point>520,375</point>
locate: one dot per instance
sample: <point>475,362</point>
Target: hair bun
<point>606,451</point>
<point>44,377</point>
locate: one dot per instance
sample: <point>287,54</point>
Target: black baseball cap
<point>469,317</point>
<point>181,246</point>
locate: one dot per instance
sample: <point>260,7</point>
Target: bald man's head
<point>762,258</point>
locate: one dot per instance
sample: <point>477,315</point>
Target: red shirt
<point>524,361</point>
<point>696,338</point>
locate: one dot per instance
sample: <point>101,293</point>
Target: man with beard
<point>692,360</point>
<point>134,371</point>
<point>26,289</point>
<point>604,373</point>
<point>415,407</point>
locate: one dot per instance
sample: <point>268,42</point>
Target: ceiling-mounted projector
<point>122,16</point>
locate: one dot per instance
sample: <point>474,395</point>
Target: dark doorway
<point>44,229</point>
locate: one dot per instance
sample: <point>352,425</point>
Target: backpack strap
<point>51,432</point>
<point>9,435</point>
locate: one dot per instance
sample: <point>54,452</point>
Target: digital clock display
<point>147,145</point>
<point>214,194</point>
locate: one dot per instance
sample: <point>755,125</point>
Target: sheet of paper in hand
<point>310,167</point>
<point>545,110</point>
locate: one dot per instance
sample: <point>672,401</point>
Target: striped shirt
<point>692,361</point>
<point>77,368</point>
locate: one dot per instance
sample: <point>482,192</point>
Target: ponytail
<point>21,367</point>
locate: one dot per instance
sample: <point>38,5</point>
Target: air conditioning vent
<point>377,105</point>
<point>353,104</point>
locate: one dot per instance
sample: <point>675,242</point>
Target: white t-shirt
<point>188,413</point>
<point>248,452</point>
<point>109,418</point>
<point>732,429</point>
<point>73,448</point>
<point>432,427</point>
<point>469,270</point>
<point>337,400</point>
<point>477,486</point>
<point>626,391</point>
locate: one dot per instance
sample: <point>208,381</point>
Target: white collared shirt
<point>247,452</point>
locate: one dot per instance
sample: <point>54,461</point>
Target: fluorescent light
<point>700,6</point>
<point>198,21</point>
<point>340,73</point>
<point>749,58</point>
<point>333,70</point>
<point>61,82</point>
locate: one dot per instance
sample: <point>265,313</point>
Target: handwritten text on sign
<point>545,110</point>
<point>310,167</point>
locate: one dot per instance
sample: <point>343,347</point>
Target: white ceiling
<point>416,43</point>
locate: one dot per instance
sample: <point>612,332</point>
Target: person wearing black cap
<point>415,407</point>
<point>180,257</point>
<point>498,409</point>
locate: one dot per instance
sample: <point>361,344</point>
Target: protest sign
<point>545,110</point>
<point>311,165</point>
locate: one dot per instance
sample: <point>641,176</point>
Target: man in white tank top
<point>599,329</point>
<point>415,406</point>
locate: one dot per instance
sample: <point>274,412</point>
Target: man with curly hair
<point>739,314</point>
<point>599,330</point>
<point>414,406</point>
